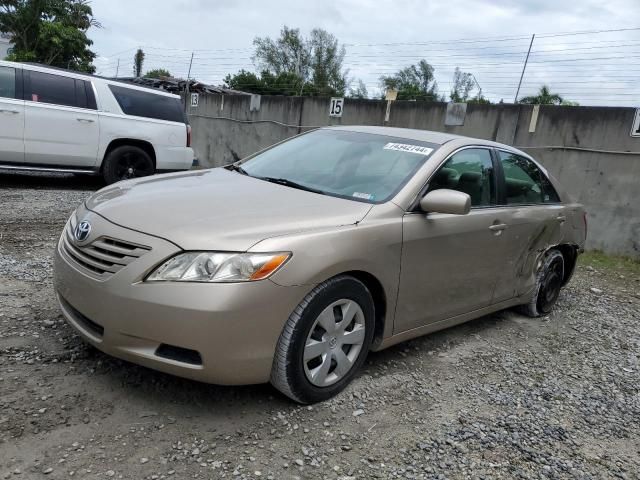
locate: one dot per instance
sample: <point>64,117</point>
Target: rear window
<point>7,82</point>
<point>59,90</point>
<point>149,105</point>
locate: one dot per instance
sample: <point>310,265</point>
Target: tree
<point>138,61</point>
<point>315,61</point>
<point>157,73</point>
<point>544,97</point>
<point>360,91</point>
<point>53,32</point>
<point>267,83</point>
<point>415,82</point>
<point>463,83</point>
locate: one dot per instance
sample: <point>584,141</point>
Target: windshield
<point>358,166</point>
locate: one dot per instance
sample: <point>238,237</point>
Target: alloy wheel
<point>132,165</point>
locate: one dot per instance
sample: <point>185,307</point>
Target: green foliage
<point>267,83</point>
<point>292,64</point>
<point>463,83</point>
<point>138,61</point>
<point>53,32</point>
<point>415,82</point>
<point>479,100</point>
<point>157,73</point>
<point>544,97</point>
<point>360,91</point>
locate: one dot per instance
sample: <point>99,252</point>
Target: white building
<point>5,45</point>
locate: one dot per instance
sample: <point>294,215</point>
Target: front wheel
<point>549,279</point>
<point>325,341</point>
<point>125,162</point>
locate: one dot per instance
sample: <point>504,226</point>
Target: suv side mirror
<point>444,200</point>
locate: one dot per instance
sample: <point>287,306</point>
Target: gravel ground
<point>501,397</point>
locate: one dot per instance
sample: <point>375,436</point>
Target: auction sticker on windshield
<point>405,147</point>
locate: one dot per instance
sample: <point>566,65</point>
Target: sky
<point>596,66</point>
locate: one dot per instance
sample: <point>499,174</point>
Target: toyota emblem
<point>82,231</point>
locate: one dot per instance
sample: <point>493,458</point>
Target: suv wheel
<point>548,284</point>
<point>125,162</point>
<point>325,341</point>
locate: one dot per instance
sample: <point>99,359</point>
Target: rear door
<point>450,263</point>
<point>61,120</point>
<point>11,115</point>
<point>534,216</point>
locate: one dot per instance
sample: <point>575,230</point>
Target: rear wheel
<point>549,280</point>
<point>125,162</point>
<point>325,341</point>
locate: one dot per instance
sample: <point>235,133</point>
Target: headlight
<point>218,267</point>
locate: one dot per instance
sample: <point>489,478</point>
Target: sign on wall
<point>635,129</point>
<point>336,107</point>
<point>195,98</point>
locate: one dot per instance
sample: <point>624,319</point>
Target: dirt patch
<point>501,397</point>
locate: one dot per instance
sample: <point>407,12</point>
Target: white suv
<point>57,120</point>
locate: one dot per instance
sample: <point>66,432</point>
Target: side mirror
<point>444,200</point>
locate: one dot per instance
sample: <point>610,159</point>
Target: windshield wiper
<point>292,184</point>
<point>238,169</point>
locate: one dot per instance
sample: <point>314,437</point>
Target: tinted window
<point>146,104</point>
<point>55,89</point>
<point>354,165</point>
<point>7,82</point>
<point>524,182</point>
<point>469,171</point>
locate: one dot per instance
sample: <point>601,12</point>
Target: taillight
<point>188,135</point>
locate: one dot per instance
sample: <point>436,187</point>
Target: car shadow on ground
<point>148,388</point>
<point>50,181</point>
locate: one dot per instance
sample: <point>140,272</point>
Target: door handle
<point>561,218</point>
<point>9,111</point>
<point>498,227</point>
<point>86,120</point>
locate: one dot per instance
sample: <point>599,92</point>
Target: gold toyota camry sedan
<point>291,265</point>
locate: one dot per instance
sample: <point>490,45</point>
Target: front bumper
<point>215,333</point>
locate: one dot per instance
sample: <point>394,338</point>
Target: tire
<point>125,162</point>
<point>310,380</point>
<point>549,281</point>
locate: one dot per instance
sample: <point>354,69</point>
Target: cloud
<point>386,35</point>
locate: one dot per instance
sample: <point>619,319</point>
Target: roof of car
<point>410,133</point>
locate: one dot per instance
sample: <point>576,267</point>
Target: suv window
<point>469,171</point>
<point>59,90</point>
<point>7,82</point>
<point>524,182</point>
<point>147,104</point>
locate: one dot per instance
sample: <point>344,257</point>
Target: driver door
<point>450,263</point>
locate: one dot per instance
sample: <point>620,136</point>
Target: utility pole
<point>117,68</point>
<point>186,95</point>
<point>524,67</point>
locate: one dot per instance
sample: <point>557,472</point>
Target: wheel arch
<point>119,142</point>
<point>380,303</point>
<point>570,256</point>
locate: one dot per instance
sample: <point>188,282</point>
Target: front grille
<point>86,323</point>
<point>104,256</point>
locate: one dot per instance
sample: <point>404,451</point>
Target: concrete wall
<point>602,176</point>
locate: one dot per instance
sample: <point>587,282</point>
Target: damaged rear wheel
<point>549,281</point>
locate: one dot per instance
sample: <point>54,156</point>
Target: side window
<point>469,171</point>
<point>54,89</point>
<point>147,104</point>
<point>524,182</point>
<point>7,82</point>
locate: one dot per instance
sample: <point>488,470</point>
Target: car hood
<point>219,209</point>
